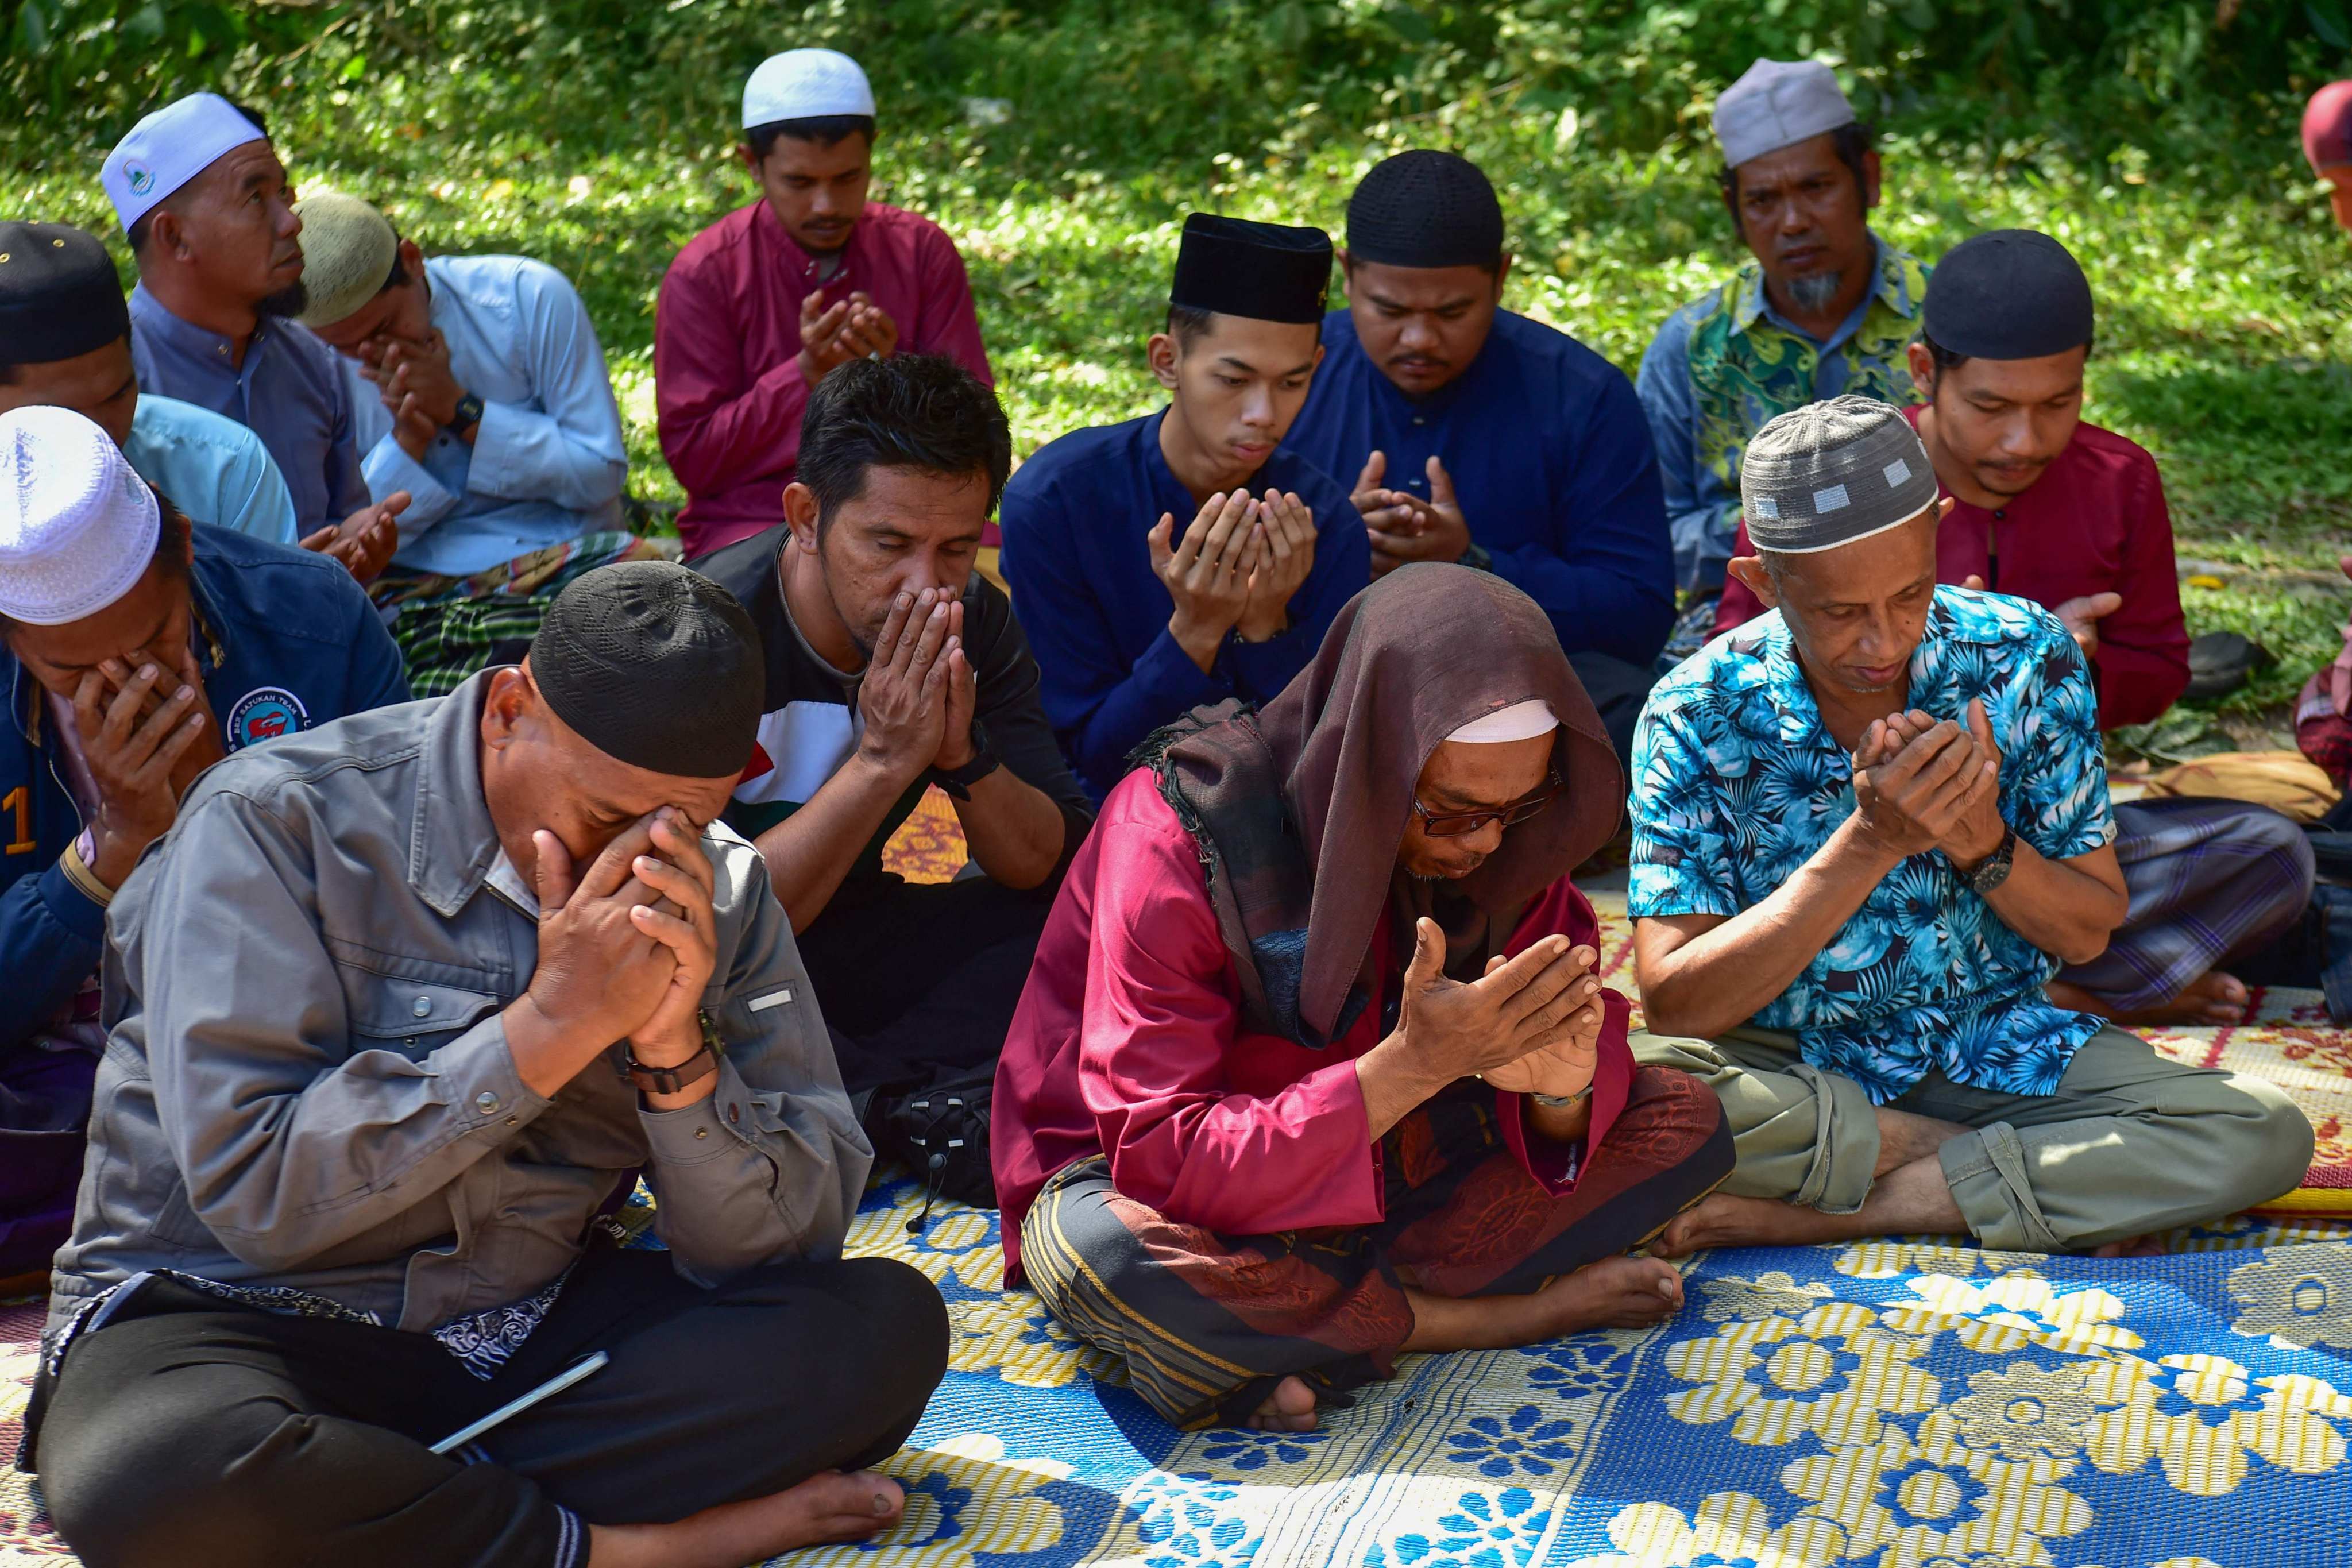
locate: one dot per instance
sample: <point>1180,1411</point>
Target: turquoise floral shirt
<point>1736,784</point>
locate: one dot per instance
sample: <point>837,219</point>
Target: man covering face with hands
<point>398,1009</point>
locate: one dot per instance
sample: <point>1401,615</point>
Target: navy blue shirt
<point>286,641</point>
<point>1076,518</point>
<point>1550,458</point>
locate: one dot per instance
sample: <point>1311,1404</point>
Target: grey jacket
<point>307,1083</point>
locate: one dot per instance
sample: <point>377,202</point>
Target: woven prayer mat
<point>2286,1038</point>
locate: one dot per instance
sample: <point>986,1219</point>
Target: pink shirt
<point>726,344</point>
<point>1126,1044</point>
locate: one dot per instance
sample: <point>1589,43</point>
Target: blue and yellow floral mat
<point>1892,1404</point>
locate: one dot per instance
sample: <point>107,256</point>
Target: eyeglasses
<point>1454,823</point>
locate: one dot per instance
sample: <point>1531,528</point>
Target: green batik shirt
<point>1726,363</point>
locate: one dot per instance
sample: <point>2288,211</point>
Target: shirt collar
<point>198,343</point>
<point>452,840</point>
<point>1792,695</point>
<point>1888,287</point>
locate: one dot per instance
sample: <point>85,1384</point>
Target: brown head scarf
<point>1298,810</point>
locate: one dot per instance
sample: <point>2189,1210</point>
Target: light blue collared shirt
<point>547,464</point>
<point>288,391</point>
<point>211,467</point>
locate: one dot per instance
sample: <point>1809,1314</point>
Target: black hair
<point>1946,359</point>
<point>1851,143</point>
<point>138,232</point>
<point>825,129</point>
<point>908,411</point>
<point>399,268</point>
<point>1188,324</point>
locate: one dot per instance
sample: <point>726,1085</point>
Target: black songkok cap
<point>2009,294</point>
<point>1266,271</point>
<point>1425,209</point>
<point>58,294</point>
<point>655,665</point>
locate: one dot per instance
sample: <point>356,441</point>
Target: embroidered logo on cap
<point>263,714</point>
<point>1897,472</point>
<point>140,178</point>
<point>1766,508</point>
<point>1833,499</point>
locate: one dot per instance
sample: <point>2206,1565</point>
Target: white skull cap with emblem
<point>78,526</point>
<point>168,149</point>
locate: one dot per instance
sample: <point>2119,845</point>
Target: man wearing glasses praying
<point>1240,1133</point>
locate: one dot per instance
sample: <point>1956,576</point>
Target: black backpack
<point>940,1131</point>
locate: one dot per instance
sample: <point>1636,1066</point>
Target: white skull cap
<point>805,84</point>
<point>168,149</point>
<point>1520,722</point>
<point>77,527</point>
<point>1776,104</point>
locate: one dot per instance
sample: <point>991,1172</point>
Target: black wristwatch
<point>1477,557</point>
<point>469,413</point>
<point>957,782</point>
<point>1994,870</point>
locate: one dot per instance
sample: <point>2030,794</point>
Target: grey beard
<point>288,301</point>
<point>1814,292</point>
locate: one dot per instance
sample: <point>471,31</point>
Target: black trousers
<point>187,1433</point>
<point>918,980</point>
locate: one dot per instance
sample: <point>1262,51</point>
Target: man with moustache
<point>209,216</point>
<point>1825,308</point>
<point>2071,516</point>
<point>1137,620</point>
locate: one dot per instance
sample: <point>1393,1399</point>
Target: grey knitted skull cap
<point>1832,472</point>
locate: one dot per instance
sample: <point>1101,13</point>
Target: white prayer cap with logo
<point>76,526</point>
<point>805,84</point>
<point>1776,104</point>
<point>169,148</point>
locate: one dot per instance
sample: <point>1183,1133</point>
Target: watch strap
<point>670,1080</point>
<point>1995,868</point>
<point>957,782</point>
<point>469,413</point>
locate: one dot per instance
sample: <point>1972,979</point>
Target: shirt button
<point>486,1102</point>
<point>421,1006</point>
<point>1419,420</point>
<point>702,1132</point>
<point>734,1114</point>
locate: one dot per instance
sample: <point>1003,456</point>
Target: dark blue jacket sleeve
<point>377,677</point>
<point>50,941</point>
<point>1606,581</point>
<point>1100,706</point>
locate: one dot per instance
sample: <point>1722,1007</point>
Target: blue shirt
<point>547,463</point>
<point>1736,784</point>
<point>1782,368</point>
<point>286,640</point>
<point>1075,519</point>
<point>214,469</point>
<point>1552,461</point>
<point>290,391</point>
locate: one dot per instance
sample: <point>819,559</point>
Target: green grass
<point>2224,345</point>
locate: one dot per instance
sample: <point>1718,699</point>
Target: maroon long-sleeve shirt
<point>2095,523</point>
<point>726,346</point>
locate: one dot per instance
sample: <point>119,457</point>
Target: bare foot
<point>1290,1408</point>
<point>2211,1000</point>
<point>1614,1293</point>
<point>1723,1220</point>
<point>834,1506</point>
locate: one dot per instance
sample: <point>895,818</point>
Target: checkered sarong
<point>450,628</point>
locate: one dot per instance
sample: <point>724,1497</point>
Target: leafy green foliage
<point>1063,141</point>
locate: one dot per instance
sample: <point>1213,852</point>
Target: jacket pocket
<point>414,1017</point>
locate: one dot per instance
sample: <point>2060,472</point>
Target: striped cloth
<point>451,627</point>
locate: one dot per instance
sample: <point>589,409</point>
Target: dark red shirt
<point>2095,523</point>
<point>726,344</point>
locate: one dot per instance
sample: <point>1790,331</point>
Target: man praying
<point>1242,1139</point>
<point>891,666</point>
<point>1824,308</point>
<point>761,306</point>
<point>66,337</point>
<point>1868,827</point>
<point>209,216</point>
<point>2051,508</point>
<point>399,1009</point>
<point>1190,555</point>
<point>478,390</point>
<point>136,650</point>
<point>1474,434</point>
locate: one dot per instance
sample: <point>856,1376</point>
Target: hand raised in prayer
<point>2083,616</point>
<point>685,922</point>
<point>420,366</point>
<point>601,975</point>
<point>956,746</point>
<point>413,427</point>
<point>1207,572</point>
<point>1286,555</point>
<point>1388,515</point>
<point>904,696</point>
<point>144,732</point>
<point>824,347</point>
<point>869,332</point>
<point>363,541</point>
<point>1441,532</point>
<point>1978,829</point>
<point>1565,1067</point>
<point>1916,778</point>
<point>1522,1006</point>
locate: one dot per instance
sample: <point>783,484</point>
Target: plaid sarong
<point>451,627</point>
